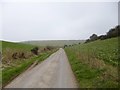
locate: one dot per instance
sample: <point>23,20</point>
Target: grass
<point>21,46</point>
<point>95,64</point>
<point>0,78</point>
<point>8,48</point>
<point>0,65</point>
<point>106,50</point>
<point>11,72</point>
<point>17,66</point>
<point>56,43</point>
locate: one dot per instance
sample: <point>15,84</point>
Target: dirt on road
<point>54,72</point>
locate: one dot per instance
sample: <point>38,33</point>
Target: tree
<point>118,29</point>
<point>65,46</point>
<point>102,37</point>
<point>114,32</point>
<point>88,40</point>
<point>93,37</point>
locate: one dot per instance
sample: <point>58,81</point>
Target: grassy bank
<point>0,65</point>
<point>95,64</point>
<point>13,67</point>
<point>9,48</point>
<point>10,73</point>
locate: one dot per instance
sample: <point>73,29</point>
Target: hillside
<point>10,48</point>
<point>12,67</point>
<point>53,42</point>
<point>12,45</point>
<point>95,64</point>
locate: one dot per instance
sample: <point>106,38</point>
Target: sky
<point>24,20</point>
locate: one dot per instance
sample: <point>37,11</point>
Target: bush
<point>88,40</point>
<point>49,47</point>
<point>114,32</point>
<point>35,50</point>
<point>93,37</point>
<point>65,46</point>
<point>102,37</point>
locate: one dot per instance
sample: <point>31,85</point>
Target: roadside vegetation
<point>0,64</point>
<point>95,64</point>
<point>17,57</point>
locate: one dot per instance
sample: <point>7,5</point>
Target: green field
<point>95,64</point>
<point>8,48</point>
<point>11,45</point>
<point>57,43</point>
<point>13,67</point>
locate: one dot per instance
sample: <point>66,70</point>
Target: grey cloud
<point>56,21</point>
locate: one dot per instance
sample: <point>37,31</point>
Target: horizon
<point>38,40</point>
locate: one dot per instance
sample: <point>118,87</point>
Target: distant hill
<point>59,43</point>
<point>18,46</point>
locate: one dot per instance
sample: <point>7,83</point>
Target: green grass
<point>55,43</point>
<point>17,66</point>
<point>106,50</point>
<point>11,45</point>
<point>0,46</point>
<point>0,78</point>
<point>0,65</point>
<point>8,48</point>
<point>11,72</point>
<point>95,64</point>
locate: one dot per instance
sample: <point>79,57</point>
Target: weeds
<point>95,64</point>
<point>13,67</point>
<point>10,73</point>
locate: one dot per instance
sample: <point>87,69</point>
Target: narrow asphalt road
<point>54,72</point>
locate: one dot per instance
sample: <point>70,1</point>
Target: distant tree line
<point>71,45</point>
<point>113,32</point>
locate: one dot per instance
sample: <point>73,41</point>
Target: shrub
<point>114,32</point>
<point>35,50</point>
<point>65,46</point>
<point>88,40</point>
<point>93,37</point>
<point>102,37</point>
<point>49,47</point>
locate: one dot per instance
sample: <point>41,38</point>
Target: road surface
<point>54,72</point>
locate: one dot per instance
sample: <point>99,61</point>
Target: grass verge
<point>10,73</point>
<point>89,77</point>
<point>94,64</point>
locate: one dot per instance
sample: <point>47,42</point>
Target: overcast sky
<point>56,20</point>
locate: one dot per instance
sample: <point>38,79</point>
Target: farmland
<point>95,64</point>
<point>57,43</point>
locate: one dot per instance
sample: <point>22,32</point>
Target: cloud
<point>56,21</point>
